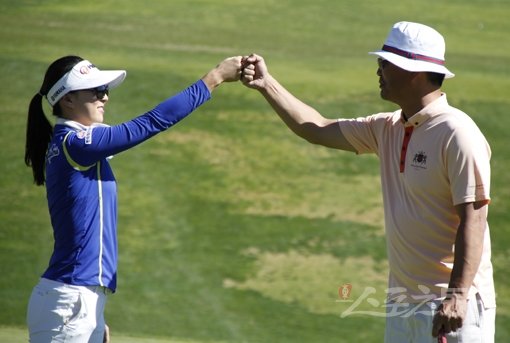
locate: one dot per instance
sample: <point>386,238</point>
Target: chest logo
<point>420,160</point>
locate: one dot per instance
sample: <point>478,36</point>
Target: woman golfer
<point>71,158</point>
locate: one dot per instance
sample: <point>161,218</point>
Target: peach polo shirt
<point>434,161</point>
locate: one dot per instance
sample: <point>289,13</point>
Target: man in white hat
<point>435,176</point>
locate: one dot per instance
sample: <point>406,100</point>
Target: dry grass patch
<point>311,280</point>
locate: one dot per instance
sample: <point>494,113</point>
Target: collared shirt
<point>82,192</point>
<point>435,160</point>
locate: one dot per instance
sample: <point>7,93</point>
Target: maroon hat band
<point>412,56</point>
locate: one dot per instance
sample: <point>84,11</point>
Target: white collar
<point>78,126</point>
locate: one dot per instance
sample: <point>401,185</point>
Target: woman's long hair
<point>39,129</point>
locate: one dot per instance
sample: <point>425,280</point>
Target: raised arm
<point>302,119</point>
<point>227,71</point>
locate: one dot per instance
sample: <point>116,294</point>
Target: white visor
<point>84,75</point>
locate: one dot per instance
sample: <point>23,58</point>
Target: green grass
<point>15,335</point>
<point>232,229</point>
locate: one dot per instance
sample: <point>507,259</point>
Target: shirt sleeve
<point>366,133</point>
<point>468,164</point>
<point>86,148</point>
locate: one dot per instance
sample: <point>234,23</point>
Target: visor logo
<point>57,92</point>
<point>86,69</point>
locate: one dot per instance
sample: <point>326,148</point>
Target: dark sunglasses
<point>100,91</point>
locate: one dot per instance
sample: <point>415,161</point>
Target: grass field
<point>231,229</point>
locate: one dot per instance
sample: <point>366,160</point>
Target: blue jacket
<point>82,192</point>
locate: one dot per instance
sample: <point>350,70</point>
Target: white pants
<point>409,323</point>
<point>59,312</point>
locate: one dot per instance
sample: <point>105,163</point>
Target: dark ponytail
<point>39,132</point>
<point>39,129</point>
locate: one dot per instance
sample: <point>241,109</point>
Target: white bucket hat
<point>415,47</point>
<point>84,75</point>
